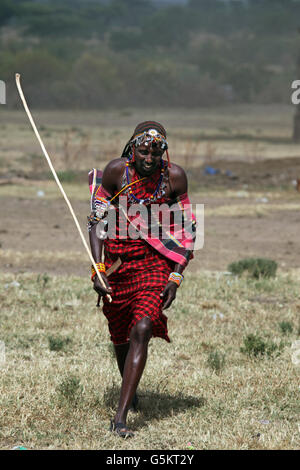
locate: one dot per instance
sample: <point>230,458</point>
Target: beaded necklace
<point>153,196</point>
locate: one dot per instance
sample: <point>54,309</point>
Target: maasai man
<point>151,267</point>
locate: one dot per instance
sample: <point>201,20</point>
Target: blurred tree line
<point>95,53</point>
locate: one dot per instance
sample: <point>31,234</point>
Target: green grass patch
<point>256,346</point>
<point>216,361</point>
<point>70,389</point>
<point>286,327</point>
<point>255,268</point>
<point>58,343</point>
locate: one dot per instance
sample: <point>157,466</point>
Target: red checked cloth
<point>139,281</point>
<point>136,289</point>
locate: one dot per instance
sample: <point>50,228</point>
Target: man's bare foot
<point>121,430</point>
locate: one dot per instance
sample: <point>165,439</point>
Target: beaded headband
<point>150,137</point>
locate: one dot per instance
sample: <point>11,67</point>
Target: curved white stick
<point>57,180</point>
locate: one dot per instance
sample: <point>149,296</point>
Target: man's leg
<point>121,351</point>
<point>134,365</point>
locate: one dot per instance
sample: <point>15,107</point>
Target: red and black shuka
<point>146,262</point>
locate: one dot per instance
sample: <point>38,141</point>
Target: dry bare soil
<point>38,234</point>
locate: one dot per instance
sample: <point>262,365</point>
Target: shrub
<point>70,389</point>
<point>256,267</point>
<point>43,279</point>
<point>256,346</point>
<point>67,176</point>
<point>286,327</point>
<point>57,343</point>
<point>216,360</point>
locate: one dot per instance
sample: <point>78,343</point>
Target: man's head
<point>146,126</point>
<point>146,147</point>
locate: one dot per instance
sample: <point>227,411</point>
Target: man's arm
<point>112,174</point>
<point>110,178</point>
<point>178,181</point>
<point>96,249</point>
<point>179,185</point>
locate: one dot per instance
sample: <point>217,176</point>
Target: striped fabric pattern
<point>175,244</point>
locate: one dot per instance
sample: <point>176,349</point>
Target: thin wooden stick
<point>57,180</point>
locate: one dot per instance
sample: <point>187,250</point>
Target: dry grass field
<point>60,382</point>
<point>230,377</point>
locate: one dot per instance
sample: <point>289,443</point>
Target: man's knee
<point>142,330</point>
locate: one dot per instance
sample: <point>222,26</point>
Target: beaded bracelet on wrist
<point>101,269</point>
<point>176,277</point>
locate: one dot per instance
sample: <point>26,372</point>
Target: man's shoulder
<point>178,179</point>
<point>176,171</point>
<point>112,173</point>
<point>115,166</point>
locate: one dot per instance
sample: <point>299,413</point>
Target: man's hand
<point>99,288</point>
<point>169,294</point>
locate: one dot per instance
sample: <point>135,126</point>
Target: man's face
<point>147,158</point>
